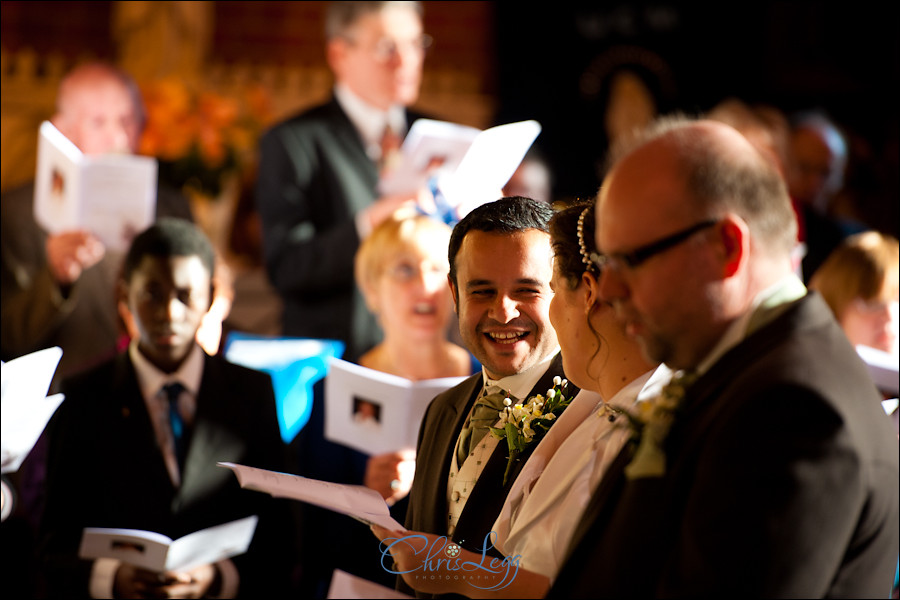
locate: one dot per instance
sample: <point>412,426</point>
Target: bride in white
<point>546,502</point>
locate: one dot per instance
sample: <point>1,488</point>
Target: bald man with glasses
<point>768,468</point>
<point>318,171</point>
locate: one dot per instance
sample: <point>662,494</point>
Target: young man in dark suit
<point>318,171</point>
<point>775,470</point>
<point>501,264</point>
<point>135,443</point>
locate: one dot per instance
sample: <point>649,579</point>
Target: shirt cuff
<point>103,577</point>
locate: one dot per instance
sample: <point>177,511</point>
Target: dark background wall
<point>550,61</point>
<point>840,57</point>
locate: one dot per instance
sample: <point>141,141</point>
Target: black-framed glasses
<point>640,255</point>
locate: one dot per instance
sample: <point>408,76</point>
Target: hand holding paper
<point>70,253</point>
<point>466,167</point>
<point>135,582</point>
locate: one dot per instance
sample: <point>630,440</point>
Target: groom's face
<point>502,295</point>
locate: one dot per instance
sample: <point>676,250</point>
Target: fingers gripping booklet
<point>359,502</point>
<point>156,552</point>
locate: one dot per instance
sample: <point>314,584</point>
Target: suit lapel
<point>136,432</point>
<point>487,497</point>
<point>443,444</point>
<point>210,441</point>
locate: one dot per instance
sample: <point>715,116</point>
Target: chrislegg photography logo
<point>441,561</point>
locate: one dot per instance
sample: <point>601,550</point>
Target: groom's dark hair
<point>506,215</point>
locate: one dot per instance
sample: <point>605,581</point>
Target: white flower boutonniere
<point>650,424</point>
<point>523,424</point>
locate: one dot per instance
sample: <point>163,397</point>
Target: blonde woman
<point>401,270</point>
<point>859,281</point>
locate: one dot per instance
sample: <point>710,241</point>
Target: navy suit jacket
<point>105,469</point>
<point>781,481</point>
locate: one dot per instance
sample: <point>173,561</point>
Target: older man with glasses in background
<point>318,172</point>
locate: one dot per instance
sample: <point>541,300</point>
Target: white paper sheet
<point>26,409</point>
<point>156,552</point>
<point>359,502</point>
<point>470,166</point>
<point>353,392</point>
<point>111,195</point>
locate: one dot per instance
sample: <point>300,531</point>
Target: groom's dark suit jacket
<point>105,469</point>
<point>314,176</point>
<point>781,481</point>
<point>440,429</point>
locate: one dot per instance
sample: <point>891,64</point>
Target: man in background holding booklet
<point>318,171</point>
<point>135,443</point>
<point>57,289</point>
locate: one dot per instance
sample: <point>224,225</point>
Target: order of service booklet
<point>156,552</point>
<point>357,501</point>
<point>26,408</point>
<point>111,195</point>
<point>376,412</point>
<point>464,166</point>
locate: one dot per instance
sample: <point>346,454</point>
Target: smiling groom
<point>501,264</point>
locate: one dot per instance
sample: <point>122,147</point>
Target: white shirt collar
<point>521,384</point>
<point>151,379</point>
<point>369,120</point>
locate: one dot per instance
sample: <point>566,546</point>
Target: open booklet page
<point>112,195</point>
<point>156,552</point>
<point>463,166</point>
<point>26,409</point>
<point>359,502</point>
<point>375,412</point>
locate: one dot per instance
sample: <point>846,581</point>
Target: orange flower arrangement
<point>199,136</point>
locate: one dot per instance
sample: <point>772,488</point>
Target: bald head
<point>694,223</point>
<point>99,109</point>
<point>721,171</point>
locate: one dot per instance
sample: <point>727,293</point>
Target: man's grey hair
<point>341,16</point>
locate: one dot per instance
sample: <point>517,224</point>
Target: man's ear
<point>734,239</point>
<point>124,310</point>
<point>335,51</point>
<point>122,292</point>
<point>212,293</point>
<point>454,293</point>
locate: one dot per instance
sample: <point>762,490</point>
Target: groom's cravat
<point>485,413</point>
